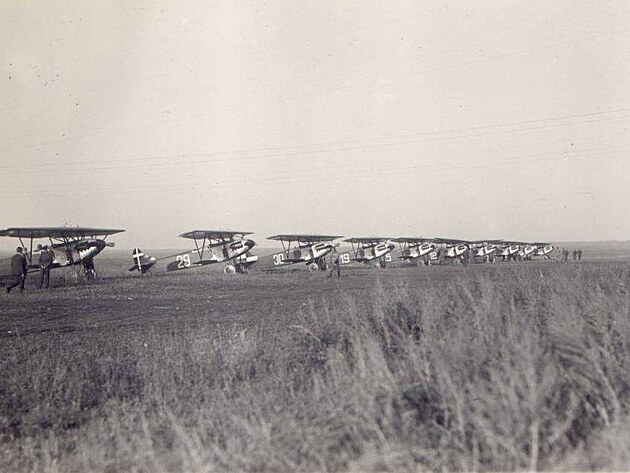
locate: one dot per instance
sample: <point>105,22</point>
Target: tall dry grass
<point>505,370</point>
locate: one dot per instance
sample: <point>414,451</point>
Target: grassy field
<point>505,366</point>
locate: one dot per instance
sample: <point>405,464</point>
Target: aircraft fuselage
<point>212,253</point>
<point>456,251</point>
<point>303,253</point>
<point>417,251</point>
<point>509,250</point>
<point>486,250</point>
<point>373,252</point>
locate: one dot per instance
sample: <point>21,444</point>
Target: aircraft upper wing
<point>450,241</point>
<point>57,232</point>
<point>412,240</point>
<point>209,234</point>
<point>367,240</point>
<point>304,238</point>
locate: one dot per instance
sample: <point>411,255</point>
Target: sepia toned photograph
<point>314,235</point>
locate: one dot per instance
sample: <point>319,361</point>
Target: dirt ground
<point>120,299</point>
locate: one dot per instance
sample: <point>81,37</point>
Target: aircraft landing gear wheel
<point>313,267</point>
<point>229,269</point>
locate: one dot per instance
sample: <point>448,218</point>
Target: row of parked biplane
<point>77,246</point>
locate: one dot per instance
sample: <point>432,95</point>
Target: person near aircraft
<point>335,267</point>
<point>465,259</point>
<point>471,255</point>
<point>322,264</point>
<point>46,258</point>
<point>19,268</point>
<point>88,266</point>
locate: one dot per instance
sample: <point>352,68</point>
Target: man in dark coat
<point>46,258</point>
<point>19,267</point>
<point>88,266</point>
<point>336,267</point>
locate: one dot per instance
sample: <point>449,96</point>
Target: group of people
<point>46,261</point>
<point>577,254</point>
<point>19,267</point>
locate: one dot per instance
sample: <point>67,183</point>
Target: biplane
<point>368,250</point>
<point>543,250</point>
<point>211,247</point>
<point>311,250</point>
<point>518,250</point>
<point>71,245</point>
<point>527,251</point>
<point>413,248</point>
<point>485,249</point>
<point>450,248</point>
<point>509,250</point>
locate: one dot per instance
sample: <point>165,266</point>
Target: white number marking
<point>183,261</point>
<point>278,259</point>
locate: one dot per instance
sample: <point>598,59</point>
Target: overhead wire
<point>362,144</point>
<point>307,176</point>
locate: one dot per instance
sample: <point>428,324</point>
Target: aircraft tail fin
<point>141,262</point>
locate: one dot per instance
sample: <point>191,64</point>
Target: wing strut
<point>200,251</point>
<point>29,254</point>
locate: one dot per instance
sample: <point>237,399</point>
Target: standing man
<point>471,255</point>
<point>336,267</point>
<point>464,259</point>
<point>46,258</point>
<point>19,268</point>
<point>580,254</point>
<point>88,266</point>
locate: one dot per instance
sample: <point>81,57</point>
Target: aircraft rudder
<point>141,262</point>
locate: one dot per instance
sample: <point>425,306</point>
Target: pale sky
<point>484,119</point>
